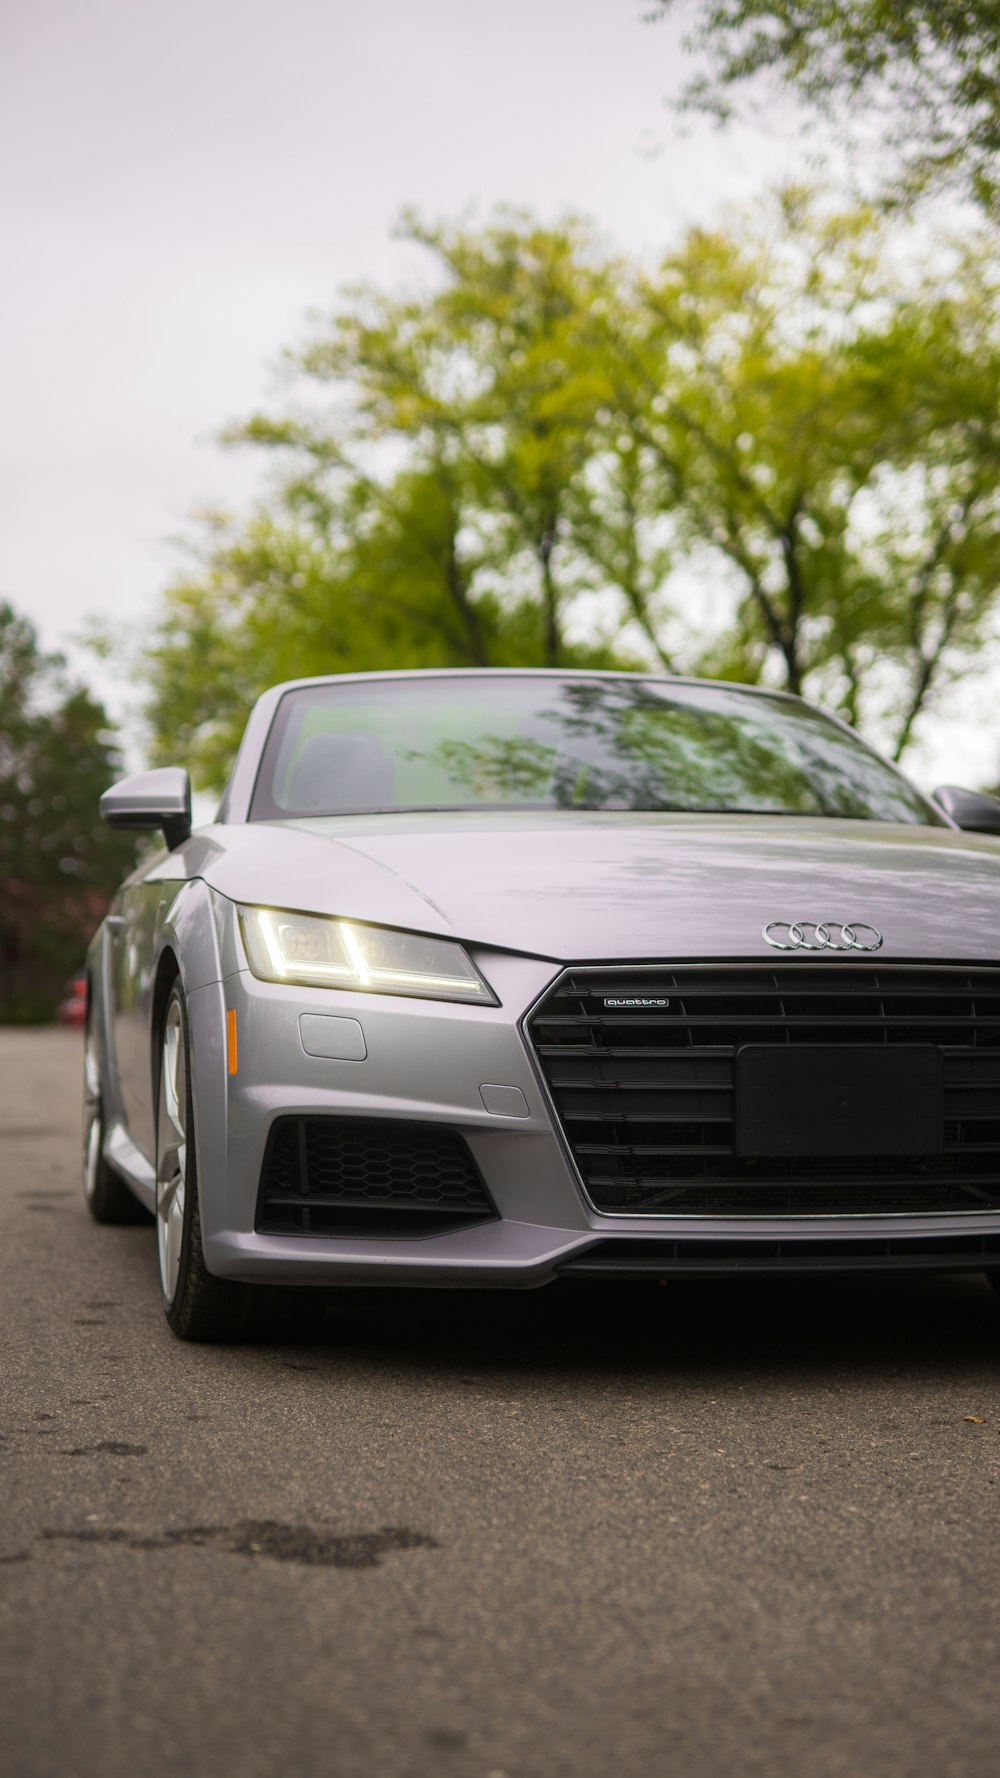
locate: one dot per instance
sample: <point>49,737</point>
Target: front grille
<point>357,1176</point>
<point>646,1095</point>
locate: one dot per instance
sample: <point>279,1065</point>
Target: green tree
<point>492,389</point>
<point>821,422</point>
<point>927,70</point>
<point>58,864</point>
<point>774,456</point>
<point>432,483</point>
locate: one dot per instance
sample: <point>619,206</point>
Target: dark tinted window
<point>541,742</point>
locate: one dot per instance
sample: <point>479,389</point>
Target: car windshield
<point>535,741</point>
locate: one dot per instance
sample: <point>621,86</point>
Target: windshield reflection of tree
<point>616,746</point>
<point>611,747</point>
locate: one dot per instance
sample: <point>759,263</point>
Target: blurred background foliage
<point>773,457</point>
<point>58,864</point>
<point>913,84</point>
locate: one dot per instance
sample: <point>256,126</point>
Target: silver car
<point>485,978</point>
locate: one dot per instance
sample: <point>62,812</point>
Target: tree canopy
<point>927,72</point>
<point>772,456</point>
<point>58,863</point>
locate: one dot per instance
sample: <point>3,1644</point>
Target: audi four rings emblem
<point>856,936</point>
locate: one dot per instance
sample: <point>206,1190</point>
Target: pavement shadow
<point>696,1330</point>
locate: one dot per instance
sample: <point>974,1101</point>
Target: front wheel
<point>197,1305</point>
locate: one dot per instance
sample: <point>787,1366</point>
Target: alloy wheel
<point>92,1121</point>
<point>171,1150</point>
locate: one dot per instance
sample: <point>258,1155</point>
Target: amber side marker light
<point>231,1051</point>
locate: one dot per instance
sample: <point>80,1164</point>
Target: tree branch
<point>928,662</point>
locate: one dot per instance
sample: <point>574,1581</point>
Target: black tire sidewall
<point>110,1201</point>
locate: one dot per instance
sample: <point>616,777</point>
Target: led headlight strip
<point>315,951</point>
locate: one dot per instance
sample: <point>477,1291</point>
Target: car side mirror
<point>972,810</point>
<point>152,799</point>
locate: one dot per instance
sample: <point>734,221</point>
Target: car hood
<point>620,885</point>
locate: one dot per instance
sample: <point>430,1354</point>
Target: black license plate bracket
<point>839,1099</point>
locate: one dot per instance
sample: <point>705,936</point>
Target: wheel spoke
<point>92,1132</point>
<point>173,1185</point>
<point>91,1073</point>
<point>171,1151</point>
<point>173,1075</point>
<point>91,1151</point>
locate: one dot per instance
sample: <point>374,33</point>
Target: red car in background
<point>72,1010</point>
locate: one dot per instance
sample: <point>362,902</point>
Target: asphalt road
<point>705,1530</point>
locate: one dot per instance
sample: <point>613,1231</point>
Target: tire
<point>197,1305</point>
<point>106,1196</point>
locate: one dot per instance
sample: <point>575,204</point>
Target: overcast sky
<point>181,180</point>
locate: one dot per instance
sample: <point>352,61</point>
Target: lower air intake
<point>708,1258</point>
<point>354,1176</point>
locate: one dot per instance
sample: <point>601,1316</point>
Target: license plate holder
<point>839,1099</point>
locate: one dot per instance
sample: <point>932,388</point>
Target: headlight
<point>322,953</point>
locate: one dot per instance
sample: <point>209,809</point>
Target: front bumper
<point>428,1062</point>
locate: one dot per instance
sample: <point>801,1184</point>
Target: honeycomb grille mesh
<point>331,1175</point>
<point>646,1093</point>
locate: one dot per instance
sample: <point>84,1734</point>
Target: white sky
<point>180,180</point>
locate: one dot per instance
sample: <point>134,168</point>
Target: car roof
<point>650,674</point>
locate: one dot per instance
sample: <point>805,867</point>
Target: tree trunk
<point>550,597</point>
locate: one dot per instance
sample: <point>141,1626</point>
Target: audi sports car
<point>491,977</point>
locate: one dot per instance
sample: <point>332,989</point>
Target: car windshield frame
<point>617,734</point>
